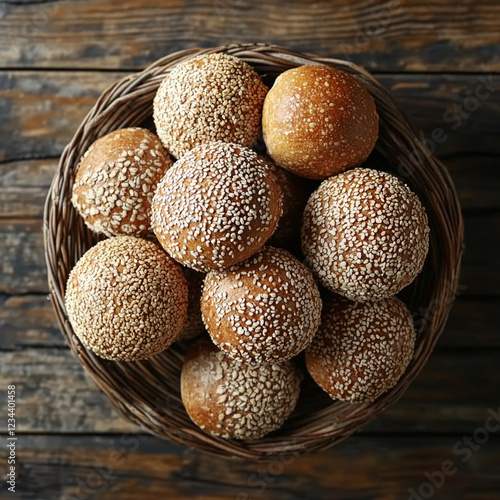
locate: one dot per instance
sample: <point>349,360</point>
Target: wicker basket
<point>147,393</point>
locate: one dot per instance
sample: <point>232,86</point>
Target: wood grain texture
<point>40,111</point>
<point>452,394</point>
<point>385,36</point>
<point>29,321</point>
<point>476,179</point>
<point>54,394</point>
<point>24,186</point>
<point>473,322</point>
<point>480,274</point>
<point>22,268</point>
<point>365,467</point>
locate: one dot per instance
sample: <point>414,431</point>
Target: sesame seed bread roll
<point>216,206</point>
<point>126,299</point>
<point>230,399</point>
<point>214,97</point>
<point>361,350</point>
<point>116,180</point>
<point>365,234</point>
<point>318,121</point>
<point>264,310</point>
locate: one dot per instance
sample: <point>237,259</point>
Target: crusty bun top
<point>116,180</point>
<point>233,400</point>
<point>216,206</point>
<point>126,299</point>
<point>318,121</point>
<point>214,97</point>
<point>361,349</point>
<point>264,310</point>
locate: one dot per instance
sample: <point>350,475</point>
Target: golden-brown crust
<point>216,206</point>
<point>361,350</point>
<point>126,299</point>
<point>318,121</point>
<point>230,399</point>
<point>365,234</point>
<point>116,180</point>
<point>213,97</point>
<point>264,310</point>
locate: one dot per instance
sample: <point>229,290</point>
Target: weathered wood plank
<point>385,36</point>
<point>456,114</point>
<point>453,389</point>
<point>54,393</point>
<point>480,265</point>
<point>131,467</point>
<point>473,322</point>
<point>22,268</point>
<point>42,110</point>
<point>452,394</point>
<point>29,321</point>
<point>477,179</point>
<point>22,263</point>
<point>24,186</point>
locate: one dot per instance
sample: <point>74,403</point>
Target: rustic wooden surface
<point>440,60</point>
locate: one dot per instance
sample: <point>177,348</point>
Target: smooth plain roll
<point>318,121</point>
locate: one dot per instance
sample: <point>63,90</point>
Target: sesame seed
<point>214,97</point>
<point>365,234</point>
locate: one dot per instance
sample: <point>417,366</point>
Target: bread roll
<point>126,299</point>
<point>212,97</point>
<point>361,350</point>
<point>116,180</point>
<point>318,121</point>
<point>365,234</point>
<point>264,310</point>
<point>230,399</point>
<point>216,206</point>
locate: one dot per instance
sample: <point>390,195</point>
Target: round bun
<point>126,299</point>
<point>233,400</point>
<point>365,234</point>
<point>318,121</point>
<point>265,310</point>
<point>116,180</point>
<point>214,97</point>
<point>216,206</point>
<point>194,323</point>
<point>361,349</point>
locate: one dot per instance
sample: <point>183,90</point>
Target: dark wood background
<point>440,60</point>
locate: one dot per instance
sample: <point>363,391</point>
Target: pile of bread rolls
<point>250,258</point>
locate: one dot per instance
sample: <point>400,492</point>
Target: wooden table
<point>440,60</point>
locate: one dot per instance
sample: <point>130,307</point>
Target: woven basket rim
<point>317,425</point>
